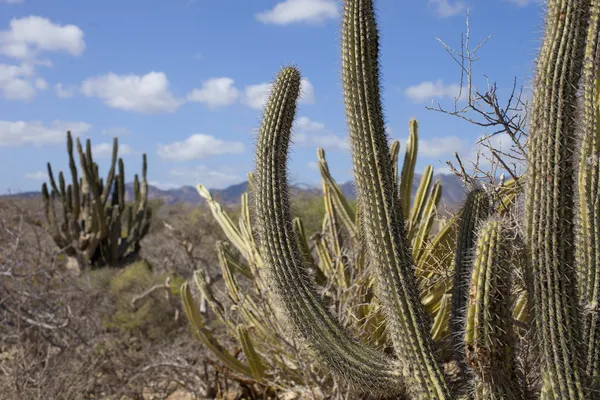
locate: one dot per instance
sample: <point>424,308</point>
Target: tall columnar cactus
<point>98,227</point>
<point>588,253</point>
<point>293,287</point>
<point>550,205</point>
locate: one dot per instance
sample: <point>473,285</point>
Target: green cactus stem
<point>489,337</point>
<point>477,208</point>
<point>293,289</point>
<point>550,206</point>
<point>382,215</point>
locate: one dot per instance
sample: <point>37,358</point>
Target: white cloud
<point>41,84</point>
<point>147,94</point>
<point>25,39</point>
<point>64,92</point>
<point>435,147</point>
<point>428,90</point>
<point>15,82</point>
<point>215,92</point>
<point>37,175</point>
<point>198,145</point>
<point>14,133</point>
<point>295,11</point>
<point>213,179</point>
<point>314,134</point>
<point>443,8</point>
<point>11,1</point>
<point>304,124</point>
<point>29,36</point>
<point>105,149</point>
<point>256,96</point>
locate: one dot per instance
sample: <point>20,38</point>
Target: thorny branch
<point>485,109</point>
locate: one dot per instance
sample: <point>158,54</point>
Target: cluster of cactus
<point>98,226</point>
<point>516,282</point>
<point>337,262</point>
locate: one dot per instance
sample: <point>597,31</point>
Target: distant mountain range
<point>452,192</point>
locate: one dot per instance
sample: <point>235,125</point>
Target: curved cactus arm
<point>342,207</point>
<point>292,287</point>
<point>489,337</point>
<point>394,153</point>
<point>408,167</point>
<point>419,203</point>
<point>254,359</point>
<point>231,230</point>
<point>476,209</point>
<point>550,229</point>
<point>588,216</point>
<point>207,337</point>
<point>381,212</point>
<point>430,211</point>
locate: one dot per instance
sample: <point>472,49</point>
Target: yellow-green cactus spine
<point>292,286</point>
<point>476,209</point>
<point>382,222</point>
<point>550,206</point>
<point>488,333</point>
<point>588,239</point>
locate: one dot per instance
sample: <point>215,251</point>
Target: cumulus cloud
<point>29,36</point>
<point>64,92</point>
<point>148,94</point>
<point>215,92</point>
<point>41,84</point>
<point>25,39</point>
<point>198,145</point>
<point>428,90</point>
<point>300,11</point>
<point>16,82</point>
<point>436,147</point>
<point>444,8</point>
<point>314,134</point>
<point>211,178</point>
<point>105,149</point>
<point>256,96</point>
<point>13,133</point>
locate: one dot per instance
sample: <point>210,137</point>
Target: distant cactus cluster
<point>388,306</point>
<point>98,226</point>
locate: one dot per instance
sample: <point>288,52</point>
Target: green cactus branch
<point>550,206</point>
<point>292,286</point>
<point>488,334</point>
<point>382,221</point>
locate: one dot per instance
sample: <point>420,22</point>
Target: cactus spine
<point>382,221</point>
<point>474,212</point>
<point>488,336</point>
<point>588,253</point>
<point>292,285</point>
<point>550,231</point>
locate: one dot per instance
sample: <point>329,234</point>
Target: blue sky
<point>184,80</point>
